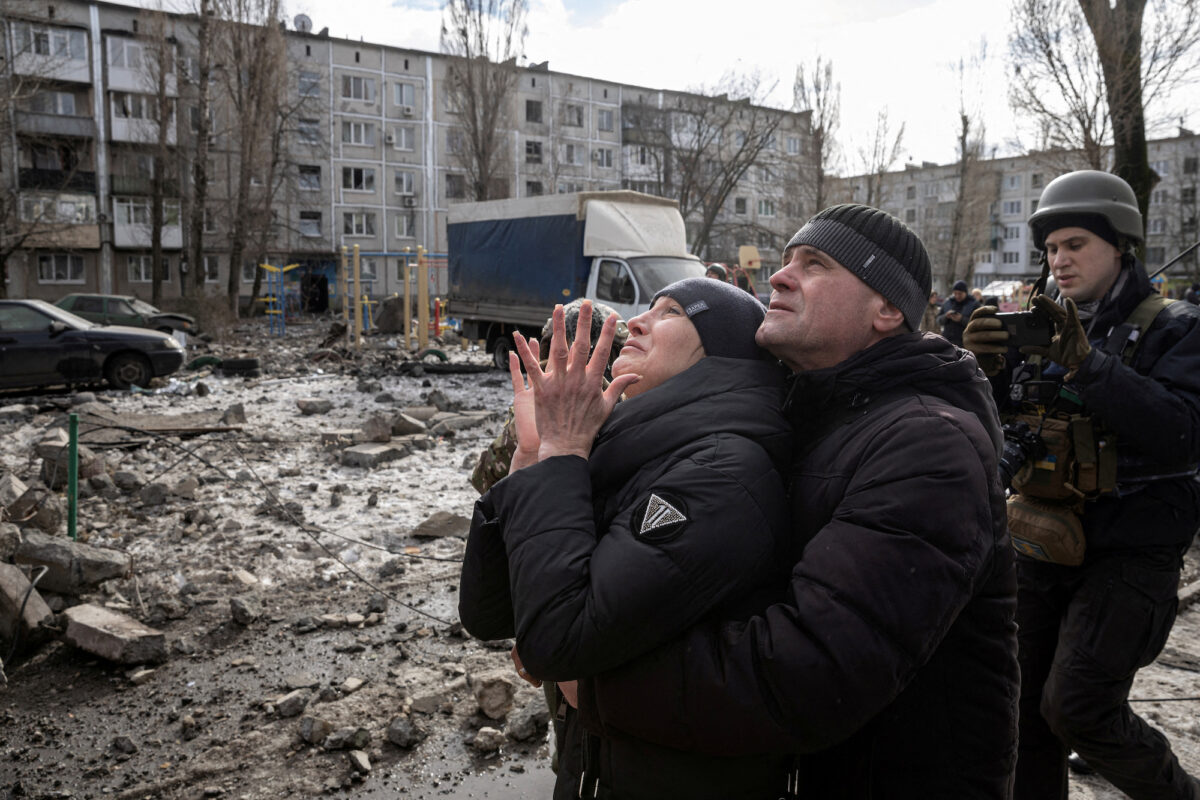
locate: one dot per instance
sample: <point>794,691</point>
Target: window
<point>1011,207</point>
<point>533,152</point>
<point>50,102</point>
<point>358,133</point>
<point>603,156</point>
<point>793,145</point>
<point>358,224</point>
<point>571,154</point>
<point>910,193</point>
<point>614,284</point>
<point>569,187</point>
<point>212,269</point>
<point>1187,194</point>
<point>931,189</point>
<point>404,226</point>
<point>573,116</point>
<point>739,138</point>
<point>310,223</point>
<point>60,268</point>
<point>309,179</point>
<point>456,141</point>
<point>534,189</point>
<point>766,174</point>
<point>739,205</point>
<point>124,53</point>
<point>456,187</point>
<point>141,268</point>
<point>405,137</point>
<point>367,269</point>
<point>63,209</point>
<point>604,119</point>
<point>910,214</point>
<point>533,110</point>
<point>1156,255</point>
<point>1159,196</point>
<point>1035,180</point>
<point>357,88</point>
<point>1035,256</point>
<point>308,131</point>
<point>134,106</point>
<point>131,211</point>
<point>405,94</point>
<point>358,179</point>
<point>643,155</point>
<point>1161,167</point>
<point>210,221</point>
<point>310,84</point>
<point>405,179</point>
<point>1012,181</point>
<point>1033,204</point>
<point>249,268</point>
<point>930,212</point>
<point>1012,258</point>
<point>766,208</point>
<point>1157,226</point>
<point>43,41</point>
<point>1191,164</point>
<point>1012,232</point>
<point>984,258</point>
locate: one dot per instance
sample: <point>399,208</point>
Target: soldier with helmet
<point>1100,385</point>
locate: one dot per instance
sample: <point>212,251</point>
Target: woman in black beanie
<point>674,514</point>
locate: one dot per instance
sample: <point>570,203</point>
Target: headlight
<point>171,343</point>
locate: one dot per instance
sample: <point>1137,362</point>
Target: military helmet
<point>1087,192</point>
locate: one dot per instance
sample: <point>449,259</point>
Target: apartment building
<point>369,156</point>
<point>1000,195</point>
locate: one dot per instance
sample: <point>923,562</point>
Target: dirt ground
<point>349,577</point>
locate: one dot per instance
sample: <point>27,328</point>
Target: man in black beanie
<point>956,311</point>
<point>888,664</point>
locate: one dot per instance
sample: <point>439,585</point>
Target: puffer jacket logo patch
<point>659,518</point>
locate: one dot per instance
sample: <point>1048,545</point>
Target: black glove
<point>986,337</point>
<point>1070,346</point>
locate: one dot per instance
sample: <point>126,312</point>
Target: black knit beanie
<point>879,249</point>
<point>725,316</point>
<point>1089,222</point>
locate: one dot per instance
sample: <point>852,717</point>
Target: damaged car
<point>42,346</point>
<point>115,309</point>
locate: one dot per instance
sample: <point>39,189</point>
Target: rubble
<point>488,740</point>
<point>404,733</point>
<point>309,408</point>
<point>73,567</point>
<point>10,540</point>
<point>244,610</point>
<point>314,729</point>
<point>441,524</point>
<point>359,762</point>
<point>11,489</point>
<point>372,455</point>
<point>347,739</point>
<point>22,609</point>
<point>494,692</point>
<point>292,703</point>
<point>39,507</point>
<point>113,636</point>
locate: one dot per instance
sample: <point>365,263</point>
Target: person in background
<point>929,320</point>
<point>717,272</point>
<point>668,510</point>
<point>956,311</point>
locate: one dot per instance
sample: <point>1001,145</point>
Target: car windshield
<point>64,316</point>
<point>142,307</point>
<point>655,272</point>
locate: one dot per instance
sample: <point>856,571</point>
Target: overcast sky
<point>893,54</point>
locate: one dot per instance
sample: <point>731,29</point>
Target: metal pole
<point>357,301</point>
<point>407,302</point>
<point>72,474</point>
<point>344,288</point>
<point>422,300</point>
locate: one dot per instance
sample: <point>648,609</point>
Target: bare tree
<point>199,153</point>
<point>969,224</point>
<point>484,39</point>
<point>879,155</point>
<point>159,66</point>
<point>817,92</point>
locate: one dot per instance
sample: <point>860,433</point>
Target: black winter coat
<point>1153,407</point>
<point>678,516</point>
<point>953,331</point>
<point>891,666</point>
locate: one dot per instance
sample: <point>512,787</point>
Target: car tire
<point>500,354</point>
<point>124,370</point>
<point>239,364</point>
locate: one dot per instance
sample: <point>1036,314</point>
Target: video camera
<point>1020,445</point>
<point>1028,328</point>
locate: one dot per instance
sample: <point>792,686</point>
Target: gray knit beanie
<point>725,316</point>
<point>879,249</point>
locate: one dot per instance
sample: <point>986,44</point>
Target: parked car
<point>43,345</point>
<point>118,309</point>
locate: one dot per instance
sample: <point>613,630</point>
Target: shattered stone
<point>329,695</point>
<point>442,524</point>
<point>488,740</point>
<point>306,625</point>
<point>371,455</point>
<point>186,488</point>
<point>373,500</point>
<point>359,762</point>
<point>335,500</point>
<point>354,620</point>
<point>11,489</point>
<point>171,608</point>
<point>17,412</point>
<point>15,591</point>
<point>79,398</point>
<point>494,691</point>
<point>188,727</point>
<point>73,567</point>
<point>39,507</point>
<point>113,636</point>
<point>123,744</point>
<point>347,739</point>
<point>528,721</point>
<point>244,610</point>
<point>438,400</point>
<point>314,729</point>
<point>339,438</point>
<point>430,703</point>
<point>234,415</point>
<point>140,676</point>
<point>448,424</point>
<point>377,428</point>
<point>153,494</point>
<point>351,685</point>
<point>404,733</point>
<point>300,680</point>
<point>311,407</point>
<point>292,703</point>
<point>103,485</point>
<point>385,397</point>
<point>367,386</point>
<point>10,540</point>
<point>392,569</point>
<point>377,603</point>
<point>421,413</point>
<point>333,620</point>
<point>244,578</point>
<point>56,462</point>
<point>127,481</point>
<point>202,389</point>
<point>405,425</point>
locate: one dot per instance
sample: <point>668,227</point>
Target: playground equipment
<point>276,297</point>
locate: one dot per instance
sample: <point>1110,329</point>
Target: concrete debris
<point>74,567</point>
<point>39,507</point>
<point>113,636</point>
<point>243,577</point>
<point>347,739</point>
<point>17,412</point>
<point>10,540</point>
<point>314,729</point>
<point>351,685</point>
<point>186,488</point>
<point>371,455</point>
<point>377,603</point>
<point>339,438</point>
<point>103,485</point>
<point>311,407</point>
<point>16,590</point>
<point>377,428</point>
<point>421,413</point>
<point>450,423</point>
<point>359,762</point>
<point>405,733</point>
<point>244,610</point>
<point>234,415</point>
<point>430,703</point>
<point>292,703</point>
<point>11,489</point>
<point>488,740</point>
<point>367,386</point>
<point>55,453</point>
<point>124,745</point>
<point>300,680</point>
<point>442,524</point>
<point>528,722</point>
<point>494,691</point>
<point>437,398</point>
<point>126,481</point>
<point>406,425</point>
<point>154,494</point>
<point>140,676</point>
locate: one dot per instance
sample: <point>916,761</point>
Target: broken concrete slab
<point>377,428</point>
<point>314,729</point>
<point>488,740</point>
<point>11,489</point>
<point>292,703</point>
<point>10,540</point>
<point>15,592</point>
<point>340,438</point>
<point>420,413</point>
<point>372,455</point>
<point>244,610</point>
<point>234,415</point>
<point>404,733</point>
<point>494,690</point>
<point>38,507</point>
<point>359,762</point>
<point>74,567</point>
<point>441,524</point>
<point>153,494</point>
<point>405,425</point>
<point>113,636</point>
<point>444,422</point>
<point>311,407</point>
<point>56,459</point>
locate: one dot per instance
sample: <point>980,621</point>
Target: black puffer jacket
<point>892,662</point>
<point>679,515</point>
<point>1153,406</point>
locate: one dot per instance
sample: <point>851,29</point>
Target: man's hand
<point>955,316</point>
<point>569,402</point>
<point>986,337</point>
<point>1070,346</point>
<point>524,673</point>
<point>524,421</point>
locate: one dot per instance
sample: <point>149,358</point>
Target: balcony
<point>138,235</point>
<point>46,67</point>
<point>31,122</point>
<point>142,131</point>
<point>138,81</point>
<point>138,185</point>
<point>58,180</point>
